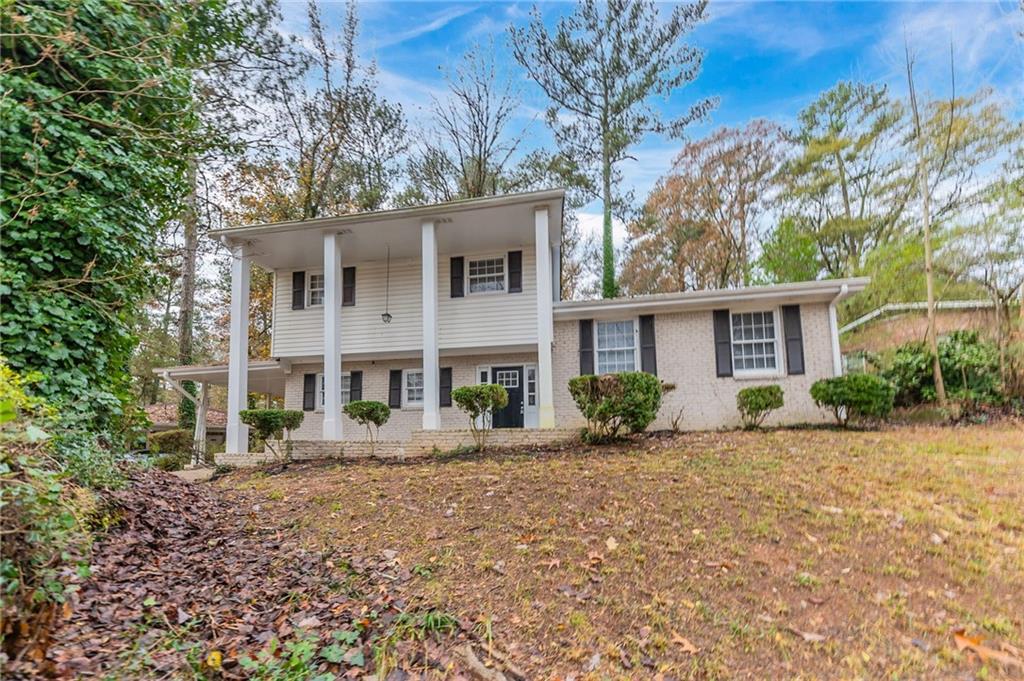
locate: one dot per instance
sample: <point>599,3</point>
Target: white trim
<point>503,257</point>
<point>833,327</point>
<point>747,374</point>
<point>319,408</point>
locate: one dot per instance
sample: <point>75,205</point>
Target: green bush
<point>855,396</point>
<point>479,402</point>
<point>270,424</point>
<point>970,370</point>
<point>176,441</point>
<point>370,414</point>
<point>611,402</point>
<point>756,402</point>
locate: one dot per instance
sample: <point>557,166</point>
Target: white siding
<point>471,321</point>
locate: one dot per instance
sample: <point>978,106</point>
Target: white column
<point>833,327</point>
<point>332,336</point>
<point>556,271</point>
<point>545,320</point>
<point>238,352</point>
<point>431,360</point>
<point>199,438</point>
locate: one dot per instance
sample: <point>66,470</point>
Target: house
<point>163,416</point>
<point>404,305</point>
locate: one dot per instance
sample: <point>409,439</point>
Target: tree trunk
<point>187,299</point>
<point>922,172</point>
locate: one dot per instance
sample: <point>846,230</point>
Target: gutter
<point>833,327</point>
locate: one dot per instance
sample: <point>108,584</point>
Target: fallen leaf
<point>808,636</point>
<point>611,543</point>
<point>684,643</point>
<point>975,644</point>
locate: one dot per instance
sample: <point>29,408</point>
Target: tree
<point>600,68</point>
<point>848,185</point>
<point>95,120</point>
<point>789,254</point>
<point>705,219</point>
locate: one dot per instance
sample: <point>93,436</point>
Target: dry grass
<point>610,563</point>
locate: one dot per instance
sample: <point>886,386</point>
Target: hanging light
<point>386,316</point>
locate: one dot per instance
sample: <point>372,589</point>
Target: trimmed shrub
<point>756,402</point>
<point>479,403</point>
<point>854,396</point>
<point>611,402</point>
<point>370,414</point>
<point>270,423</point>
<point>177,441</point>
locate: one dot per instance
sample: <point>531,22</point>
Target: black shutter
<point>348,286</point>
<point>298,290</point>
<point>446,387</point>
<point>458,265</point>
<point>355,386</point>
<point>515,271</point>
<point>723,344</point>
<point>648,353</point>
<point>308,392</point>
<point>794,335</point>
<point>586,347</point>
<point>395,389</point>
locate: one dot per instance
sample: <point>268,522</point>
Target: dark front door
<point>511,378</point>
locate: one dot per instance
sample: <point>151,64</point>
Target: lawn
<point>791,553</point>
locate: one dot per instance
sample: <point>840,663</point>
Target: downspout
<point>833,327</point>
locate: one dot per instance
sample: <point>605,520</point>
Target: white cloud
<point>438,22</point>
<point>592,224</point>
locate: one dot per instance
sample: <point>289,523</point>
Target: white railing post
<point>431,359</point>
<point>237,436</point>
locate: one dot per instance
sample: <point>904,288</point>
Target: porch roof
<point>495,223</point>
<point>265,376</point>
<point>778,294</point>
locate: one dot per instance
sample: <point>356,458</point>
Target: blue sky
<point>762,59</point>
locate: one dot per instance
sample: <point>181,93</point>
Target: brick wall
<point>375,387</point>
<point>686,357</point>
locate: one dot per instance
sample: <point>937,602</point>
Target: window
<point>346,389</point>
<point>316,289</point>
<point>531,386</point>
<point>487,275</point>
<point>413,384</point>
<point>753,342</point>
<point>507,378</point>
<point>616,347</point>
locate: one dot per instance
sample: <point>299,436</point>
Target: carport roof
<point>265,376</point>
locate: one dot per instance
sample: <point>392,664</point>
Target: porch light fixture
<point>386,316</point>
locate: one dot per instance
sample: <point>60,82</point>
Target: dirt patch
<point>709,555</point>
<point>188,584</point>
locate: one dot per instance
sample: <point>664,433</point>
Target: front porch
<point>421,444</point>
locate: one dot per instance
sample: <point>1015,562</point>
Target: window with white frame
<point>487,275</point>
<point>413,387</point>
<point>531,386</point>
<point>346,389</point>
<point>316,289</point>
<point>616,347</point>
<point>753,342</point>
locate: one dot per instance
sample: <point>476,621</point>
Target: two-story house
<point>402,306</point>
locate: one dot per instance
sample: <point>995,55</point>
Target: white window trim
<point>636,341</point>
<point>504,268</point>
<point>406,404</point>
<point>309,289</point>
<point>753,374</point>
<point>320,390</point>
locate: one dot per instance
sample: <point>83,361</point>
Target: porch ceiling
<point>264,376</point>
<point>477,225</point>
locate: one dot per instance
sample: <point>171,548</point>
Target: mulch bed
<point>186,573</point>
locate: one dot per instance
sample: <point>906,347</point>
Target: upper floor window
<point>487,275</point>
<point>754,342</point>
<point>346,389</point>
<point>616,347</point>
<point>413,387</point>
<point>316,289</point>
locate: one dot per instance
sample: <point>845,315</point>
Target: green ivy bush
<point>756,402</point>
<point>176,441</point>
<point>480,402</point>
<point>612,402</point>
<point>970,370</point>
<point>268,424</point>
<point>369,414</point>
<point>855,396</point>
